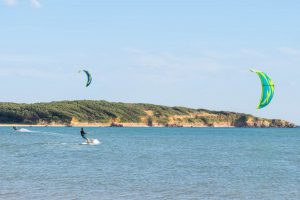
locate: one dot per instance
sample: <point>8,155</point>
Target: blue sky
<point>189,53</point>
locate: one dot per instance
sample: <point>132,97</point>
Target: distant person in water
<point>15,128</point>
<point>83,135</point>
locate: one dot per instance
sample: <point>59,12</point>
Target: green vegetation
<point>84,111</point>
<point>65,112</point>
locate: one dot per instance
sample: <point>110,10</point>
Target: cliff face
<point>265,123</point>
<point>220,119</point>
<point>103,112</point>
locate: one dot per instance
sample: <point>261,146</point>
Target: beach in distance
<point>128,125</point>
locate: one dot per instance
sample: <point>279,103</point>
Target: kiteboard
<point>91,142</point>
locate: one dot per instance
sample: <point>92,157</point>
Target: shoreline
<point>133,125</point>
<point>125,125</point>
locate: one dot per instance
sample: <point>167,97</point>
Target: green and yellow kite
<point>267,89</point>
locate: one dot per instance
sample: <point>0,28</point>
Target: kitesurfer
<point>83,135</point>
<point>15,128</point>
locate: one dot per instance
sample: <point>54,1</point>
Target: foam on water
<point>94,142</point>
<point>24,130</point>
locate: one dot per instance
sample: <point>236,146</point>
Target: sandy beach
<point>106,125</point>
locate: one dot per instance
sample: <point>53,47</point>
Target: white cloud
<point>35,3</point>
<point>170,61</point>
<point>252,53</point>
<point>19,59</point>
<point>10,2</point>
<point>34,72</point>
<point>289,51</point>
<point>171,67</point>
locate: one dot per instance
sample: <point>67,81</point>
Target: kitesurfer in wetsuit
<point>83,135</point>
<point>15,128</point>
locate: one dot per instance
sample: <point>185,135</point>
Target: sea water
<point>150,163</point>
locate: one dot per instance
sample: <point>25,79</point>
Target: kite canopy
<point>267,86</point>
<point>89,77</point>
